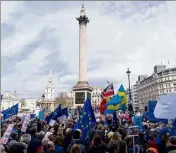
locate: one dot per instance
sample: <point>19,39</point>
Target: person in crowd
<point>172,144</point>
<point>26,138</point>
<point>151,150</point>
<point>67,138</point>
<point>17,147</point>
<point>142,141</point>
<point>75,149</point>
<point>122,147</point>
<point>115,137</point>
<point>13,138</point>
<point>98,145</point>
<point>152,142</point>
<point>50,147</point>
<point>50,136</point>
<point>43,147</point>
<point>59,144</point>
<point>40,135</point>
<point>129,141</point>
<point>77,135</point>
<point>163,145</point>
<point>35,143</point>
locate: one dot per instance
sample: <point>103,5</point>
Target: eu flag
<point>86,119</point>
<point>57,112</point>
<point>65,112</point>
<point>10,112</point>
<point>49,117</point>
<point>54,115</point>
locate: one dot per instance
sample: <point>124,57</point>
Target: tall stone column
<point>83,20</point>
<point>82,90</point>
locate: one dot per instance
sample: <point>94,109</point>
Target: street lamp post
<point>42,104</point>
<point>129,90</point>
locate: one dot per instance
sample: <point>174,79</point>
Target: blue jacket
<point>59,149</point>
<point>33,145</point>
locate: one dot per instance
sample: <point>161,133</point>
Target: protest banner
<point>26,122</point>
<point>6,135</point>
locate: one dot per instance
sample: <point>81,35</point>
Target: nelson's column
<point>82,90</point>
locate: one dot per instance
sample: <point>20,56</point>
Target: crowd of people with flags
<point>111,128</point>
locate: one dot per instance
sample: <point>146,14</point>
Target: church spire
<point>49,90</point>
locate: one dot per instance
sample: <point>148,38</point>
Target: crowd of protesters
<point>103,138</point>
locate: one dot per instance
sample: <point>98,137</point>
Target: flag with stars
<point>54,115</point>
<point>10,112</point>
<point>86,119</point>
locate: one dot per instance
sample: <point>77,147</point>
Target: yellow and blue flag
<point>115,100</point>
<point>86,119</point>
<point>122,105</point>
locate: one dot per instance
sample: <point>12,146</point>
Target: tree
<point>62,99</point>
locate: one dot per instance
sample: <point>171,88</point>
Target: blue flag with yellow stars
<point>86,119</point>
<point>10,112</point>
<point>54,115</point>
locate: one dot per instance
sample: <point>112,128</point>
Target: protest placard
<point>26,122</point>
<point>7,133</point>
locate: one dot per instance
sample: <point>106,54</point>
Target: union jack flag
<point>108,91</point>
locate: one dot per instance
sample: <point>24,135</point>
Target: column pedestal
<point>82,91</point>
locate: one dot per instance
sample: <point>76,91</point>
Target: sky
<point>39,36</point>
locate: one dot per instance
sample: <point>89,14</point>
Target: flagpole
<point>134,145</point>
<point>1,114</point>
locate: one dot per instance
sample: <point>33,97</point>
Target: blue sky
<point>39,36</point>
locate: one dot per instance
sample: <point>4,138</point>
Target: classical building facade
<point>163,80</point>
<point>30,105</point>
<point>134,97</point>
<point>49,100</point>
<point>9,100</point>
<point>96,95</point>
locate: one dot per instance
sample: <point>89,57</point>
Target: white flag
<point>166,106</point>
<point>62,119</point>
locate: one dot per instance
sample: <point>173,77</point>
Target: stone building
<point>96,95</point>
<point>10,99</point>
<point>163,80</point>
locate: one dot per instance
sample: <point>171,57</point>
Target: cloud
<point>44,36</point>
